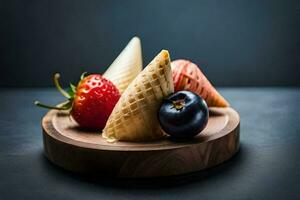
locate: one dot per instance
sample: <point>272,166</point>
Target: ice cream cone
<point>134,117</point>
<point>126,66</point>
<point>187,76</point>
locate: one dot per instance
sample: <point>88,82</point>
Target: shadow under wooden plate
<point>82,151</point>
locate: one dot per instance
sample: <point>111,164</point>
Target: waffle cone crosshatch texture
<point>166,119</point>
<point>188,76</point>
<point>134,118</point>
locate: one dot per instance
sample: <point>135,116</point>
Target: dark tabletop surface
<point>266,167</point>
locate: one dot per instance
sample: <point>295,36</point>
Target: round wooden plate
<point>72,148</point>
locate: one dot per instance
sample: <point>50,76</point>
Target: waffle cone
<point>126,66</point>
<point>134,117</point>
<point>187,76</point>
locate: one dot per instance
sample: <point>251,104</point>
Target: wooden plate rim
<point>49,130</point>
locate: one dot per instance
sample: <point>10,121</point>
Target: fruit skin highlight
<point>90,103</point>
<point>188,76</point>
<point>94,100</point>
<point>183,115</point>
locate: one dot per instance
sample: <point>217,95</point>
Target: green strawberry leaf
<point>65,106</point>
<point>73,87</point>
<point>72,91</point>
<point>83,75</point>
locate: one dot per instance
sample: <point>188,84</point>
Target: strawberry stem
<point>67,105</point>
<point>62,107</point>
<point>59,88</point>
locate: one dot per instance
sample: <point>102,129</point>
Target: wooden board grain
<point>77,150</point>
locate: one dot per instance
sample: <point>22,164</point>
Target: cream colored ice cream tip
<point>126,66</point>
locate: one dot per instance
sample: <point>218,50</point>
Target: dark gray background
<point>236,43</point>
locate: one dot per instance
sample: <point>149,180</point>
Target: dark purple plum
<point>183,115</point>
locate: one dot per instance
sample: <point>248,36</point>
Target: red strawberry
<point>91,102</point>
